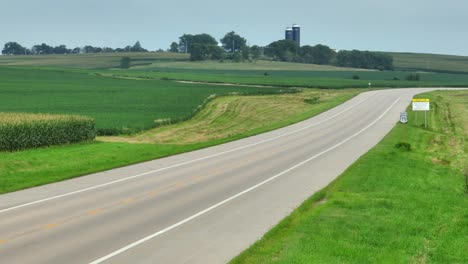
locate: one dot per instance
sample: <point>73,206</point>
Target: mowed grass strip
<point>234,116</point>
<point>24,169</point>
<point>391,206</point>
<point>21,131</point>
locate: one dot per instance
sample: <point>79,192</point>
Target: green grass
<point>313,79</point>
<point>430,62</point>
<point>242,115</point>
<point>391,206</point>
<point>24,169</point>
<point>260,65</point>
<point>118,105</point>
<point>91,61</point>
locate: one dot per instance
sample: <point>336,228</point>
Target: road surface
<point>200,207</point>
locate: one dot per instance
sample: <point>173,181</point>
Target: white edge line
<point>165,230</point>
<point>180,164</point>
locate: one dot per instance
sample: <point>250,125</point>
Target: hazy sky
<point>392,25</point>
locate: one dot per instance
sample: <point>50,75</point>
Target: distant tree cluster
<point>13,48</point>
<point>205,47</point>
<point>288,50</point>
<point>364,59</point>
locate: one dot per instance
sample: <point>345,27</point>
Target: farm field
<point>89,61</point>
<point>392,205</point>
<point>118,105</point>
<point>24,169</point>
<point>155,60</point>
<point>22,131</point>
<point>310,79</point>
<point>430,62</point>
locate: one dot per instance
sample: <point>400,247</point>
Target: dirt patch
<point>440,161</point>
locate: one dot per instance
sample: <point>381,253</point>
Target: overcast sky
<point>428,26</point>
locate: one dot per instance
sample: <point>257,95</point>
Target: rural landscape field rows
<point>191,155</point>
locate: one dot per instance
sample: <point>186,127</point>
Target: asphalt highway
<point>205,206</point>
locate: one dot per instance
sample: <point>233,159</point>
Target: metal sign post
<point>404,120</point>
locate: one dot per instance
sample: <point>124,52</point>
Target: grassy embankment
<point>23,169</point>
<point>392,205</point>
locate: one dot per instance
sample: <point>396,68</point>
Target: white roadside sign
<point>421,105</point>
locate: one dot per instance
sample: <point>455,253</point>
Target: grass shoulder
<point>391,206</point>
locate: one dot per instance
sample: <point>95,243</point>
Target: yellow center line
<point>50,226</point>
<point>129,200</point>
<point>198,178</point>
<point>153,193</point>
<point>95,211</point>
<point>2,241</point>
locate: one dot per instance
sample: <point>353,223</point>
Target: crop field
<point>311,79</point>
<point>90,61</point>
<point>117,105</point>
<point>261,65</point>
<point>22,131</point>
<point>430,62</point>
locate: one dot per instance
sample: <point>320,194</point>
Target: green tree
<point>233,42</point>
<point>256,52</point>
<point>138,48</point>
<point>245,53</point>
<point>186,41</point>
<point>200,52</point>
<point>125,62</point>
<point>13,48</point>
<point>43,49</point>
<point>319,54</point>
<point>364,59</point>
<point>283,50</point>
<point>174,47</point>
<point>62,49</point>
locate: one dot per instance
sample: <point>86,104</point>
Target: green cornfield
<point>22,131</point>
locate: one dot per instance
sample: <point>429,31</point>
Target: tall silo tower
<point>296,32</point>
<point>289,34</point>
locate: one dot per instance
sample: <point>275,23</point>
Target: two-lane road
<point>200,207</point>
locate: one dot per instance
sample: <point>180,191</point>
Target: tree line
<point>205,47</point>
<point>14,48</point>
<point>234,47</point>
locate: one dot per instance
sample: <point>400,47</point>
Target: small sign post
<point>403,120</point>
<point>422,105</point>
